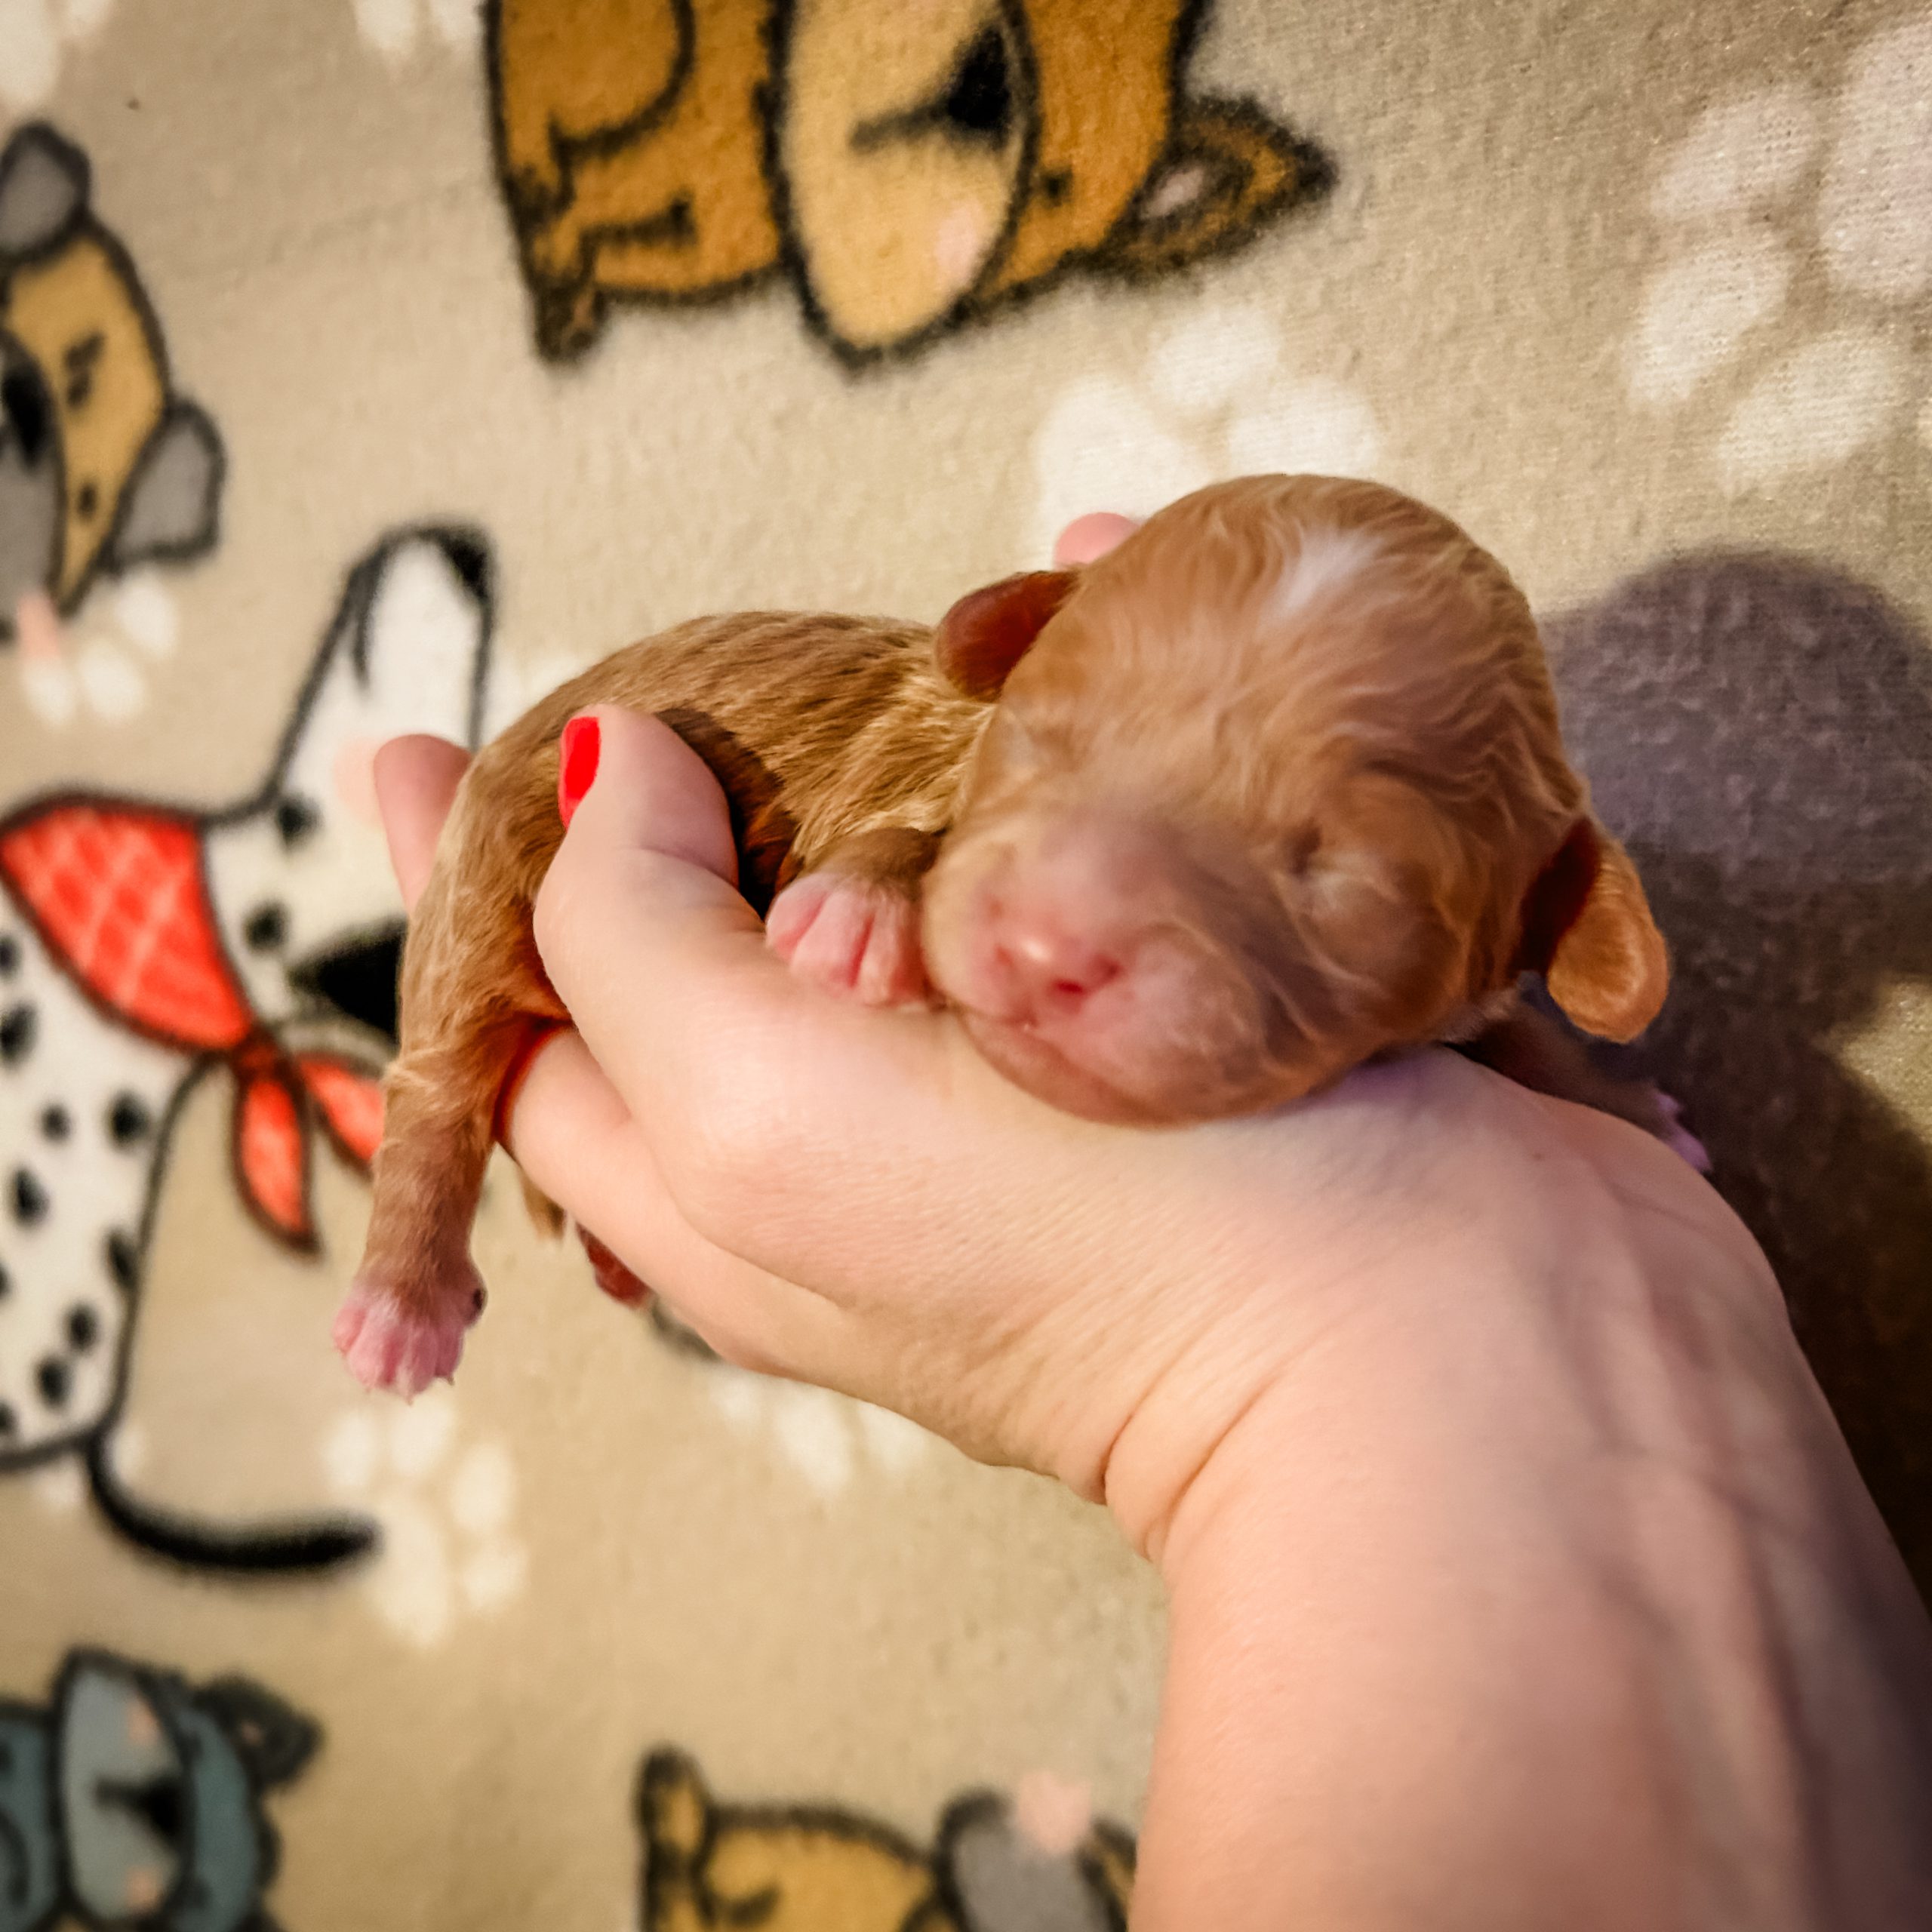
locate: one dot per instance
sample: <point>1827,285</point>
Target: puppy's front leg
<point>851,923</point>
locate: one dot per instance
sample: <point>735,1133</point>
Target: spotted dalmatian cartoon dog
<point>146,947</point>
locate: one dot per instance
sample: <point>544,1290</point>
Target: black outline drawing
<point>267,1741</point>
<point>1142,244</point>
<point>672,1870</point>
<point>260,1547</point>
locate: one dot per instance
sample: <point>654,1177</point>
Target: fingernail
<point>577,764</point>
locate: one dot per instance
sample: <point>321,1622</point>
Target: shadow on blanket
<point>1758,731</point>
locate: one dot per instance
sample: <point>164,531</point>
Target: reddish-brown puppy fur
<point>1275,787</point>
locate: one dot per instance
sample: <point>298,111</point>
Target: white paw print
<point>34,34</point>
<point>823,1437</point>
<point>449,1541</point>
<point>95,662</point>
<point>394,27</point>
<point>1781,199</point>
<point>61,1488</point>
<point>1216,398</point>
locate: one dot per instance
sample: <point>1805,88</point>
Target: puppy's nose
<point>1043,971</point>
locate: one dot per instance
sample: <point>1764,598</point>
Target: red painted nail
<point>576,764</point>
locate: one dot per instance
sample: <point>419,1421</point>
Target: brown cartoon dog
<point>629,145</point>
<point>101,466</point>
<point>796,1869</point>
<point>910,168</point>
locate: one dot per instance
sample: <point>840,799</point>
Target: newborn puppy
<point>1275,787</point>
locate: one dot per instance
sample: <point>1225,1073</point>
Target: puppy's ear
<point>980,639</point>
<point>1587,929</point>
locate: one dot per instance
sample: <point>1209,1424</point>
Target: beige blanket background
<point>459,351</point>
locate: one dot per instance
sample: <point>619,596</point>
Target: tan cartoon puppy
<point>935,161</point>
<point>912,166</point>
<point>100,465</point>
<point>802,1869</point>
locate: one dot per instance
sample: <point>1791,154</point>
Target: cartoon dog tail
<point>254,1548</point>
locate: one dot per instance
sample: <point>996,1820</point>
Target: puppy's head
<point>1276,785</point>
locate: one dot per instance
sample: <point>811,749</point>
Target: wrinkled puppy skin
<point>1273,788</point>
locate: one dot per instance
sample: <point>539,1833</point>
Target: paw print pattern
<point>1782,206</point>
<point>395,28</point>
<point>1216,398</point>
<point>97,662</point>
<point>34,35</point>
<point>825,1439</point>
<point>448,1510</point>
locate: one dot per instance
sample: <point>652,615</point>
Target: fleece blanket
<point>364,366</point>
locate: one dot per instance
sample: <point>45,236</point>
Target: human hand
<point>1424,1357</point>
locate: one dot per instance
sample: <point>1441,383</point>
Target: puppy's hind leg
<point>402,1323</point>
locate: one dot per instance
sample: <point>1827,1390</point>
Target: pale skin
<point>1518,1574</point>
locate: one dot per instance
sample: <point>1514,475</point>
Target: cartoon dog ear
<point>406,649</point>
<point>172,507</point>
<point>1228,170</point>
<point>272,1738</point>
<point>673,1809</point>
<point>1587,928</point>
<point>980,639</point>
<point>43,189</point>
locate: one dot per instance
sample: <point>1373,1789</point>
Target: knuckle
<point>551,917</point>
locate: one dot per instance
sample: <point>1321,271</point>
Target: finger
<point>417,778</point>
<point>570,1132</point>
<point>1093,535</point>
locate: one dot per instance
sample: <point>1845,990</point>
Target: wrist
<point>1507,1592</point>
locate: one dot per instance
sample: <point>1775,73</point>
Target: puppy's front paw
<point>387,1346</point>
<point>853,937</point>
<point>1678,1137</point>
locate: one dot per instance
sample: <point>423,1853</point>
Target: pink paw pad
<point>387,1346</point>
<point>851,937</point>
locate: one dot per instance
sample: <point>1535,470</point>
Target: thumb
<point>638,780</point>
<point>638,921</point>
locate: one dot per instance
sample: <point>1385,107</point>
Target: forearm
<point>1592,1630</point>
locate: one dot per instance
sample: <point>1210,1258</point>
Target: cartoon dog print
<point>102,466</point>
<point>909,168</point>
<point>145,947</point>
<point>802,1869</point>
<point>131,1797</point>
<point>628,149</point>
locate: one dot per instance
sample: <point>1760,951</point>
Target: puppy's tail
<point>261,1547</point>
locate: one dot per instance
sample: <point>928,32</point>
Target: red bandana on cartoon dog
<point>119,896</point>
